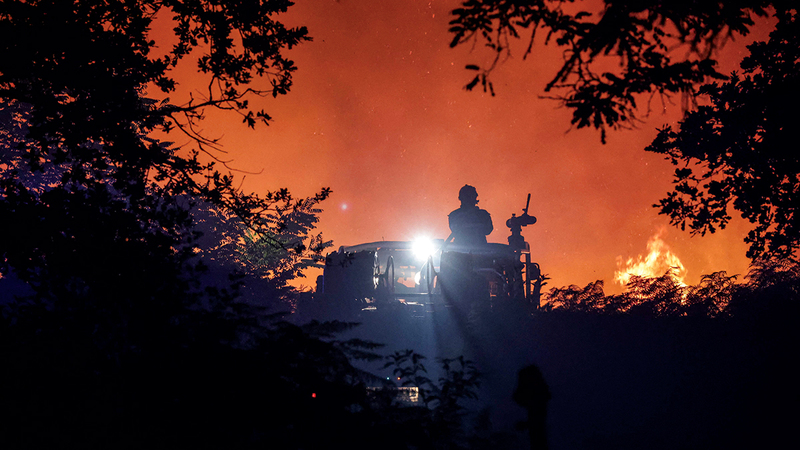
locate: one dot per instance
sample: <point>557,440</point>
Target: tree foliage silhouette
<point>740,150</point>
<point>643,36</point>
<point>769,283</point>
<point>440,415</point>
<point>119,329</point>
<point>263,262</point>
<point>85,185</point>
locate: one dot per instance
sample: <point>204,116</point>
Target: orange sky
<point>378,113</point>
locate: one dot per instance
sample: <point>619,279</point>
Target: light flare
<point>658,260</point>
<point>423,248</point>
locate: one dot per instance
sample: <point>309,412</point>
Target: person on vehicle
<point>469,224</point>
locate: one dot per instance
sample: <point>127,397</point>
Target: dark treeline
<point>770,284</point>
<point>665,365</point>
<point>693,382</point>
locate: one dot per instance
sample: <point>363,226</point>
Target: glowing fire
<point>657,262</point>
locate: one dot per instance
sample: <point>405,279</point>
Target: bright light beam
<point>423,248</point>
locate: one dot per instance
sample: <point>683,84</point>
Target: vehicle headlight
<point>423,248</point>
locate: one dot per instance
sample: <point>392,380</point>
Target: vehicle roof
<point>408,245</point>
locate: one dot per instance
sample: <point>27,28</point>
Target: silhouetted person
<point>469,224</point>
<point>533,394</point>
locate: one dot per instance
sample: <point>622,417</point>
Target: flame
<point>657,262</point>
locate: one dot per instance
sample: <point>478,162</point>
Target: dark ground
<point>621,382</point>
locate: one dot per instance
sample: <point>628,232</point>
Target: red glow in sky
<point>378,113</point>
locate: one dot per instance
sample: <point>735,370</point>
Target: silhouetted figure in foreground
<point>470,224</point>
<point>533,394</point>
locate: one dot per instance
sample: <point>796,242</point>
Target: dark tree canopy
<point>733,147</point>
<point>118,338</point>
<point>770,283</point>
<point>75,75</point>
<point>100,215</point>
<point>613,58</point>
<point>740,150</point>
<point>83,88</point>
